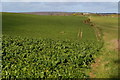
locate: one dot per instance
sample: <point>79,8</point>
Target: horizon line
<point>61,11</point>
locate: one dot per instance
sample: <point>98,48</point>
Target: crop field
<point>36,46</point>
<point>54,27</point>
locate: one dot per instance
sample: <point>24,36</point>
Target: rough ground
<point>106,64</point>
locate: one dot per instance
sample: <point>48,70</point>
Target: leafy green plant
<point>46,58</point>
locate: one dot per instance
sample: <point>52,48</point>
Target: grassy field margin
<point>106,65</point>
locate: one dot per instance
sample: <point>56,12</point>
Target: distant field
<point>54,27</point>
<point>108,25</point>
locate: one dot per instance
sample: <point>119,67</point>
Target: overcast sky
<point>59,0</point>
<point>95,7</point>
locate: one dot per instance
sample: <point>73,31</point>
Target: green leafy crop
<point>46,58</point>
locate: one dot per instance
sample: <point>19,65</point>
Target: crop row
<point>46,58</point>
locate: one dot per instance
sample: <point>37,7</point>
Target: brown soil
<point>50,13</point>
<point>113,44</point>
<point>62,32</point>
<point>94,66</point>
